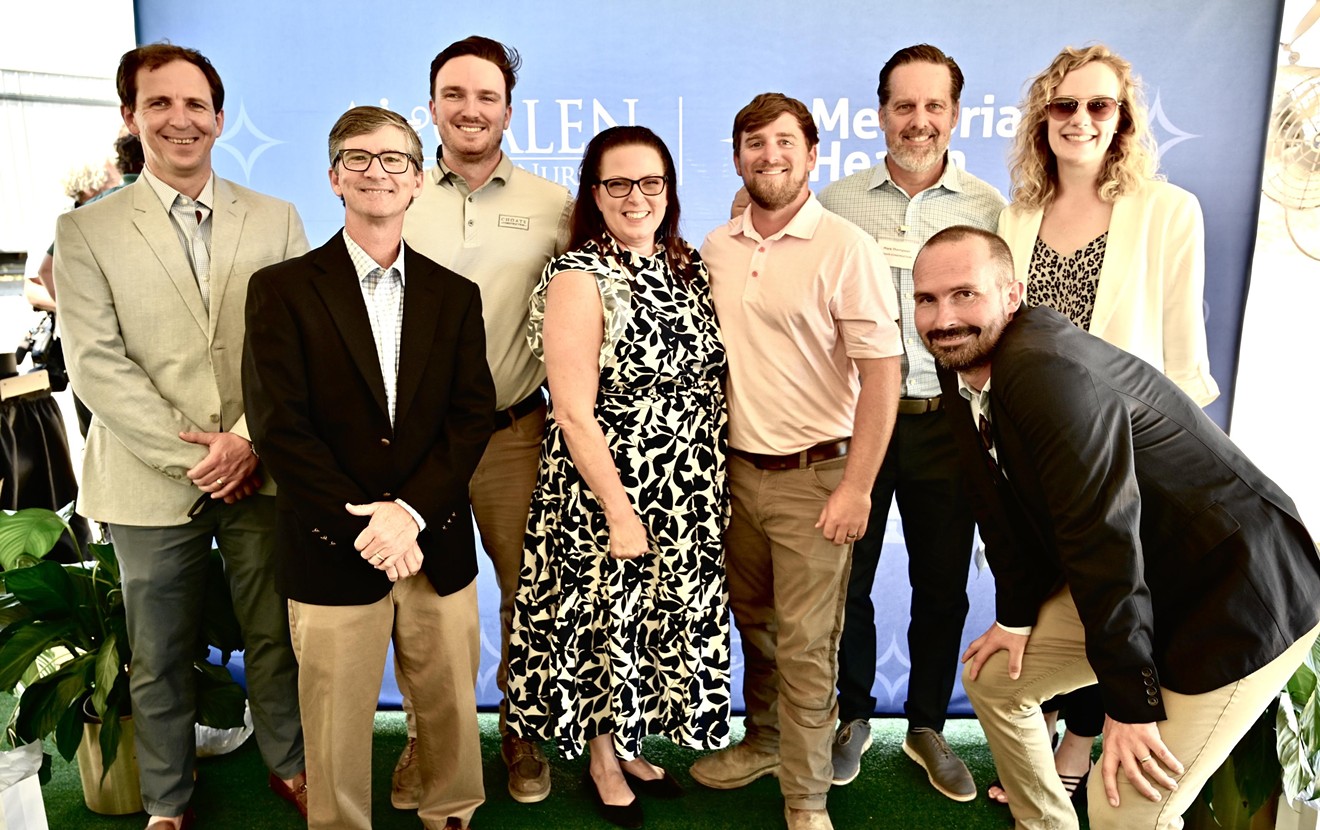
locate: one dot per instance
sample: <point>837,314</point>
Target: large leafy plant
<point>64,642</point>
<point>1298,726</point>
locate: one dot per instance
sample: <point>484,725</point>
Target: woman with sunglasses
<point>620,625</point>
<point>1098,237</point>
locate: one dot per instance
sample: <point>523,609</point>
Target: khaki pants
<point>1200,730</point>
<point>341,656</point>
<point>787,589</point>
<point>501,494</point>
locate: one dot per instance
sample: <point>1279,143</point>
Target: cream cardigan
<point>1152,281</point>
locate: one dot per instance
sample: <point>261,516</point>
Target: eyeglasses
<point>620,187</point>
<point>391,161</point>
<point>1099,109</point>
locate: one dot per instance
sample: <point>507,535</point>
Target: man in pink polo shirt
<point>808,314</point>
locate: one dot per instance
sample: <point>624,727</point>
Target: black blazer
<point>1190,568</point>
<point>317,413</point>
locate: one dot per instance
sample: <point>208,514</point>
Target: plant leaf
<point>26,644</point>
<point>28,535</point>
<point>43,703</point>
<point>111,729</point>
<point>1256,762</point>
<point>219,697</point>
<point>104,555</point>
<point>108,669</point>
<point>69,731</point>
<point>44,588</point>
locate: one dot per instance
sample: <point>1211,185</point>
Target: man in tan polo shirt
<point>808,313</point>
<point>498,225</point>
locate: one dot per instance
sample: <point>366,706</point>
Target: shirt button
<point>470,223</point>
<point>756,273</point>
<point>761,249</point>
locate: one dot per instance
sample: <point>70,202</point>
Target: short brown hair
<point>768,106</point>
<point>505,58</point>
<point>363,120</point>
<point>1000,254</point>
<point>155,55</point>
<point>921,53</point>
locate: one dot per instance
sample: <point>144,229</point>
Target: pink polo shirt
<point>795,309</point>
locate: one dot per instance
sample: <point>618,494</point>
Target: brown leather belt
<point>918,406</point>
<point>798,460</point>
<point>504,418</point>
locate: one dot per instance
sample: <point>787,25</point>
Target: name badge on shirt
<point>520,223</point>
<point>900,253</point>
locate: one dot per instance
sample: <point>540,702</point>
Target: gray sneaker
<point>850,742</point>
<point>946,771</point>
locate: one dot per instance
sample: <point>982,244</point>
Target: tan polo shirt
<point>500,236</point>
<point>795,310</point>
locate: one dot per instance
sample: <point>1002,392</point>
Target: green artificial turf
<point>891,792</point>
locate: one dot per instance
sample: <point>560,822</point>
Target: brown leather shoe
<point>406,783</point>
<point>529,771</point>
<point>295,795</point>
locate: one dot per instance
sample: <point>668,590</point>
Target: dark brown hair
<point>765,108</point>
<point>587,222</point>
<point>505,58</point>
<point>921,53</point>
<point>155,55</point>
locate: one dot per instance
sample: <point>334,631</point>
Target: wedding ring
<point>852,536</point>
<point>219,482</point>
<point>1144,760</point>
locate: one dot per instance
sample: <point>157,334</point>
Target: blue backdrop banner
<point>684,68</point>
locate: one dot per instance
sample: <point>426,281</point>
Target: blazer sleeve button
<point>384,442</point>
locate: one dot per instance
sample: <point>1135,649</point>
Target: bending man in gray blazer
<point>153,281</point>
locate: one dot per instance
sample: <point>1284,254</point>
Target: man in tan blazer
<point>153,282</point>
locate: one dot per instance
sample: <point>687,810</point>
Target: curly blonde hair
<point>1131,160</point>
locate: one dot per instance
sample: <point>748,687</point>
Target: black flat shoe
<point>628,816</point>
<point>666,787</point>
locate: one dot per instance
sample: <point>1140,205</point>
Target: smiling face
<point>373,195</point>
<point>470,106</point>
<point>961,307</point>
<point>174,117</point>
<point>774,162</point>
<point>632,219</point>
<point>1079,141</point>
<point>919,117</point>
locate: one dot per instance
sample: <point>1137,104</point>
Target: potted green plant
<point>64,643</point>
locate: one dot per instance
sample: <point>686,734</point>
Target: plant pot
<point>119,793</point>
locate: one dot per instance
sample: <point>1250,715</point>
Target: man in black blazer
<point>1132,544</point>
<point>370,402</point>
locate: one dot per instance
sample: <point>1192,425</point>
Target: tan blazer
<point>1152,281</point>
<point>142,351</point>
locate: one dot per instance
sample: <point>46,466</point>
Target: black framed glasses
<point>391,161</point>
<point>1099,109</point>
<point>619,187</point>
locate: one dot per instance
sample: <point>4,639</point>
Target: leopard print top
<point>1066,284</point>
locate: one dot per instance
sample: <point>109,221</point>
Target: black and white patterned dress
<point>1067,284</point>
<point>634,647</point>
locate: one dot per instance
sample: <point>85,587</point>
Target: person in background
<point>1099,237</point>
<point>621,627</point>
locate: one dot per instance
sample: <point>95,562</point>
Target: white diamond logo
<point>1174,135</point>
<point>246,134</point>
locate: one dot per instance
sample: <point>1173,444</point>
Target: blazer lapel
<point>157,228</point>
<point>342,293</point>
<point>1120,246</point>
<point>421,313</point>
<point>227,216</point>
